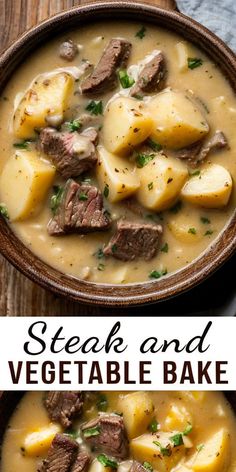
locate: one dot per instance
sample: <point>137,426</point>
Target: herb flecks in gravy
<point>137,431</point>
<point>149,143</point>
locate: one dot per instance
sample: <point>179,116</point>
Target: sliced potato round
<point>127,123</point>
<point>178,122</point>
<point>24,183</point>
<point>210,189</point>
<point>117,178</point>
<point>161,182</point>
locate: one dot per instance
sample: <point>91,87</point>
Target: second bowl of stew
<point>119,431</point>
<point>118,154</point>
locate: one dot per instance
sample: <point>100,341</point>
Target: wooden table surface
<point>18,295</point>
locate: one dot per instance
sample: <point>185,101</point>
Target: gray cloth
<point>217,15</point>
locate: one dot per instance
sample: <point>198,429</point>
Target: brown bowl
<point>106,294</point>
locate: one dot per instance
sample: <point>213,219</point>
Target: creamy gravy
<point>74,254</point>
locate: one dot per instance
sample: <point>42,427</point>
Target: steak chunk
<point>134,240</point>
<point>80,210</point>
<point>218,141</point>
<point>81,463</point>
<point>61,454</point>
<point>151,77</point>
<point>137,467</point>
<point>68,50</point>
<point>71,153</point>
<point>104,77</point>
<point>189,153</point>
<point>111,438</point>
<point>198,152</point>
<point>63,407</point>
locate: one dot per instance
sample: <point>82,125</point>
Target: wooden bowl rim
<point>134,294</point>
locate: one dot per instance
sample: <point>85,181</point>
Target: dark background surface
<point>21,297</point>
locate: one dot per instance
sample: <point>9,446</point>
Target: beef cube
<point>111,438</point>
<point>68,50</point>
<point>104,76</point>
<point>79,211</point>
<point>81,463</point>
<point>189,153</point>
<point>63,407</point>
<point>71,153</point>
<point>151,77</point>
<point>134,240</point>
<point>218,141</point>
<point>137,467</point>
<point>61,455</point>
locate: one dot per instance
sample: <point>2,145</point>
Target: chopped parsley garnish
<point>157,274</point>
<point>125,80</point>
<point>4,211</point>
<point>22,144</point>
<point>153,426</point>
<point>176,208</point>
<point>194,62</point>
<point>165,248</point>
<point>56,198</point>
<point>73,433</point>
<point>83,196</point>
<point>143,159</point>
<point>165,451</point>
<point>192,231</point>
<point>150,186</point>
<point>95,107</point>
<point>102,403</point>
<point>73,125</point>
<point>114,248</point>
<point>205,220</point>
<point>199,447</point>
<point>141,33</point>
<point>99,254</point>
<point>177,439</point>
<point>101,267</point>
<point>209,232</point>
<point>88,433</point>
<point>106,191</point>
<point>106,461</point>
<point>188,429</point>
<point>195,173</point>
<point>154,145</point>
<point>148,466</point>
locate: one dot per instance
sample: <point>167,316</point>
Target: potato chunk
<point>38,442</point>
<point>214,455</point>
<point>210,189</point>
<point>127,123</point>
<point>137,409</point>
<point>46,99</point>
<point>177,418</point>
<point>24,183</point>
<point>143,449</point>
<point>182,56</point>
<point>186,229</point>
<point>177,120</point>
<point>161,181</point>
<point>118,179</point>
<point>97,466</point>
